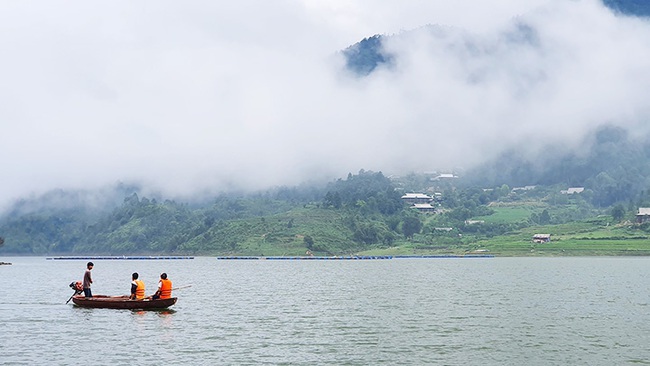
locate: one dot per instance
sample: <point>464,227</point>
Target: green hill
<point>362,214</point>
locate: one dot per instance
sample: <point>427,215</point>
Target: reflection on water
<point>161,312</point>
<point>501,311</point>
<point>165,312</point>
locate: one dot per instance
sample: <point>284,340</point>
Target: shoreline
<point>364,255</point>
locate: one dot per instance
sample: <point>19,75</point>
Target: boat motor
<point>77,287</point>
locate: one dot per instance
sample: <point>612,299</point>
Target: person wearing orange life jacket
<point>137,287</point>
<point>164,288</point>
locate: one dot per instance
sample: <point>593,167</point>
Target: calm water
<point>493,311</point>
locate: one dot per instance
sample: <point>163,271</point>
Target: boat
<point>121,302</point>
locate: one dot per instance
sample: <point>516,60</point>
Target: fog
<point>203,96</point>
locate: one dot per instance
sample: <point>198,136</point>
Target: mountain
<point>639,8</point>
<point>362,212</point>
<point>363,57</point>
<point>608,160</point>
<point>610,163</point>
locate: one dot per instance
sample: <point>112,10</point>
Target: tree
<point>411,226</point>
<point>309,242</point>
<point>618,212</point>
<point>332,200</point>
<point>544,218</point>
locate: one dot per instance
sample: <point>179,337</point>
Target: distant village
<point>429,203</point>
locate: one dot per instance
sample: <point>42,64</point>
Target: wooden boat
<point>121,302</point>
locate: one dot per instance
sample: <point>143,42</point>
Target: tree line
<point>361,212</point>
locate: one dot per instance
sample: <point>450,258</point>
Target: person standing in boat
<point>88,280</point>
<point>137,287</point>
<point>164,288</point>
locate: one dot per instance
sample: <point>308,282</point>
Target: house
<point>424,207</point>
<point>414,198</point>
<point>573,190</point>
<point>541,238</point>
<point>643,215</point>
<point>444,176</point>
<point>525,188</point>
<point>443,228</point>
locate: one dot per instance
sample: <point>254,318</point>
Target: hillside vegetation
<point>362,214</point>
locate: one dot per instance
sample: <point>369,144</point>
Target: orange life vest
<point>165,289</point>
<point>139,291</point>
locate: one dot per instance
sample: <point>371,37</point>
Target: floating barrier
<point>446,256</point>
<point>310,258</point>
<point>120,257</point>
<point>360,257</point>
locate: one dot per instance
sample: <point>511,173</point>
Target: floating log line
<point>360,257</point>
<point>119,257</point>
<point>445,256</point>
<point>307,258</point>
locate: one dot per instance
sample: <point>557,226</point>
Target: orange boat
<point>121,302</point>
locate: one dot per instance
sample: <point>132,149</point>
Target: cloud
<point>204,96</point>
<point>536,80</point>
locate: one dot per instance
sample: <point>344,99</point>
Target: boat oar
<point>173,289</point>
<point>178,288</point>
<point>70,298</point>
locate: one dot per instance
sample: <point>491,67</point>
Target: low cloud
<point>204,96</point>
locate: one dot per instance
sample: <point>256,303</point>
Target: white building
<point>414,198</point>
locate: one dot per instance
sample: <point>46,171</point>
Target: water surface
<point>490,311</point>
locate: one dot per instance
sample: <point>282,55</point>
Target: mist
<point>195,97</point>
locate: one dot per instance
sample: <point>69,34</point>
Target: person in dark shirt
<point>88,280</point>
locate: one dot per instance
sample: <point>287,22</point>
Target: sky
<point>197,97</point>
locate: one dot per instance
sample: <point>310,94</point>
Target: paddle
<point>181,287</point>
<point>173,289</point>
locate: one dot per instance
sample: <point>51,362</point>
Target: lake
<point>488,311</point>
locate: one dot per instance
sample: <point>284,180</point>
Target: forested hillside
<point>348,215</point>
<point>609,163</point>
<point>363,212</point>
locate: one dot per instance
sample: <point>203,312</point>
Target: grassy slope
<point>281,234</point>
<point>594,236</point>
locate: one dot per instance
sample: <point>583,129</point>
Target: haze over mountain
<point>201,97</point>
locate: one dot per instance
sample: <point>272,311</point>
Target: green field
<point>509,214</point>
<point>283,235</point>
<point>596,236</point>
